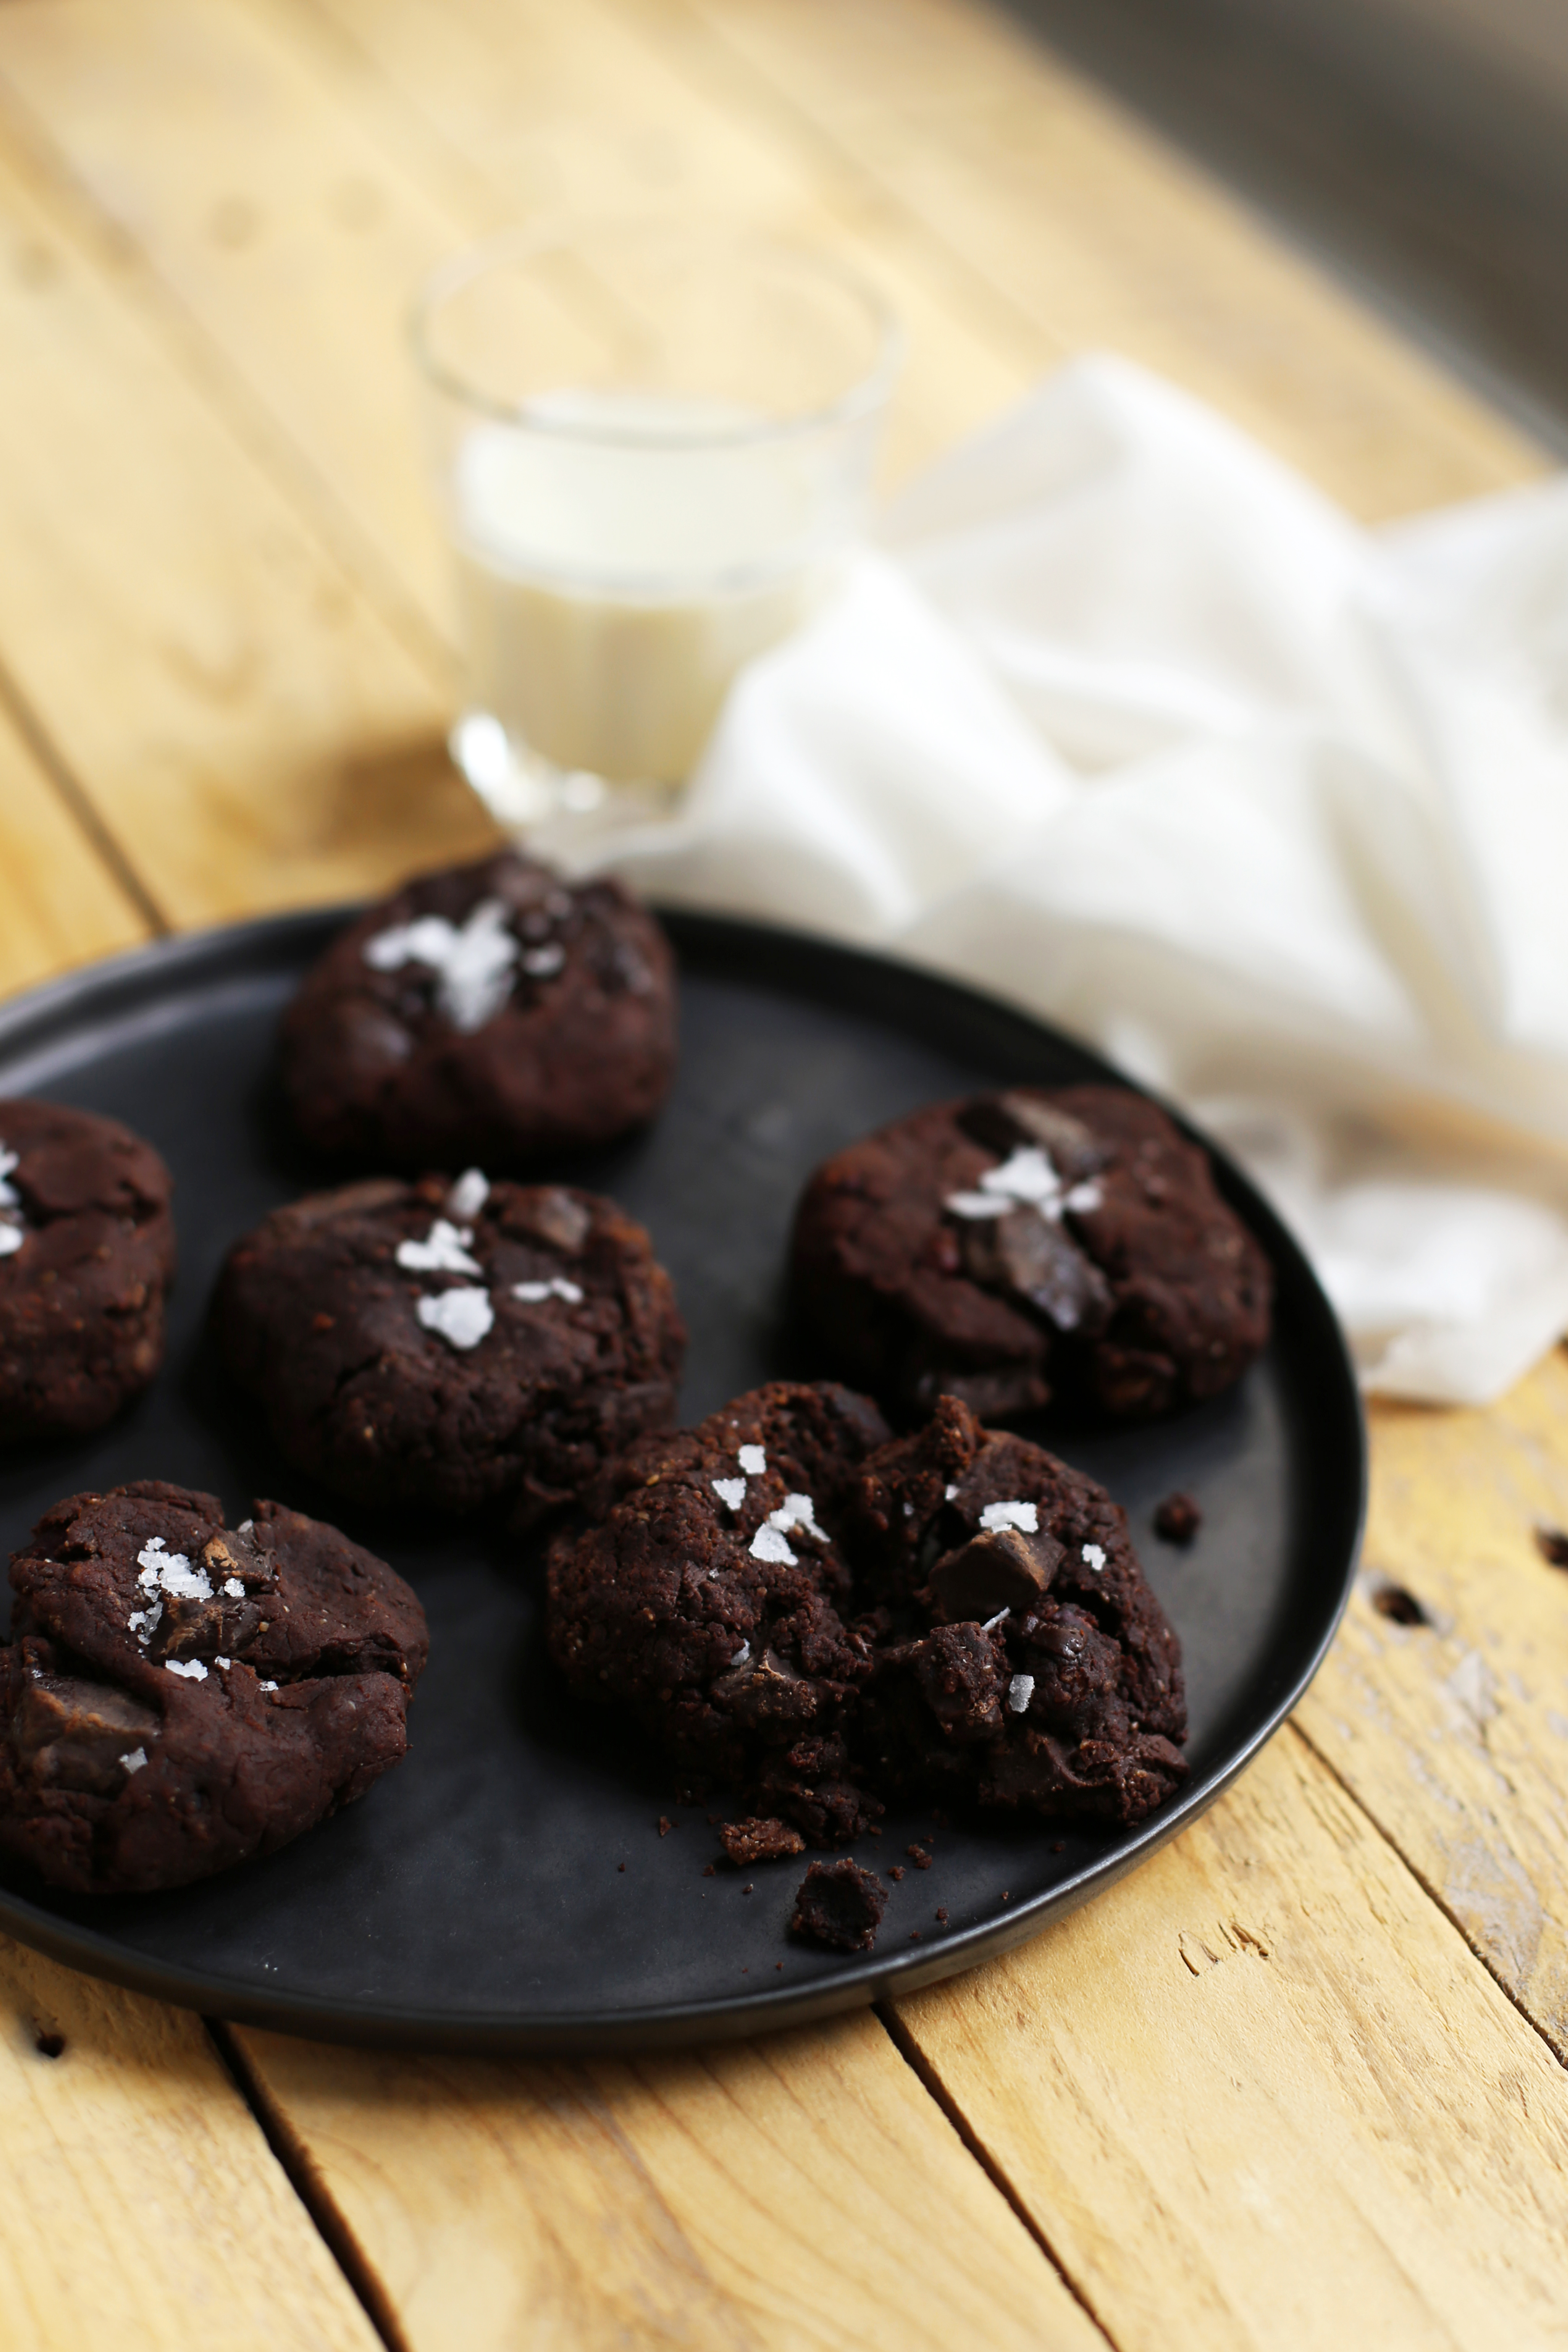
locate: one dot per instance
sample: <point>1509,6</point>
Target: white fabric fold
<point>1125,722</point>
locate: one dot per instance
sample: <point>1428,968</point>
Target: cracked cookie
<point>491,1012</point>
<point>819,1617</point>
<point>177,1696</point>
<point>86,1255</point>
<point>1030,1247</point>
<point>461,1345</point>
<point>708,1600</point>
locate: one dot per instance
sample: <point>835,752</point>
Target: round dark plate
<point>508,1888</point>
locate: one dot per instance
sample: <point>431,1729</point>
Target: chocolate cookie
<point>709,1602</point>
<point>177,1696</point>
<point>86,1255</point>
<point>453,1344</point>
<point>819,1617</point>
<point>1021,1660</point>
<point>492,1013</point>
<point>1030,1247</point>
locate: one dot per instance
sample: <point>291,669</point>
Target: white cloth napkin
<point>1125,722</point>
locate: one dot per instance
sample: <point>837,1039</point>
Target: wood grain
<point>1260,2094</point>
<point>60,902</point>
<point>1455,1732</point>
<point>1081,223</point>
<point>801,2191</point>
<point>142,2204</point>
<point>248,730</point>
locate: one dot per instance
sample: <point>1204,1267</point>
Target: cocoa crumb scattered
<point>897,1871</point>
<point>1058,1846</point>
<point>1552,1543</point>
<point>840,1905</point>
<point>665,1824</point>
<point>756,1840</point>
<point>620,1865</point>
<point>941,1919</point>
<point>1392,1601</point>
<point>748,1888</point>
<point>1177,1519</point>
<point>919,1856</point>
<point>709,1871</point>
<point>914,1935</point>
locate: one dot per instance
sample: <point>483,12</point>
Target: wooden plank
<point>1087,225</point>
<point>1260,2093</point>
<point>61,901</point>
<point>143,2205</point>
<point>244,724</point>
<point>1455,1732</point>
<point>287,233</point>
<point>801,2191</point>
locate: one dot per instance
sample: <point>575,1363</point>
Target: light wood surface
<point>1298,2081</point>
<point>143,2205</point>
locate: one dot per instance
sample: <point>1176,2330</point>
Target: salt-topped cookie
<point>178,1695</point>
<point>490,1014</point>
<point>459,1344</point>
<point>86,1255</point>
<point>816,1618</point>
<point>1030,1247</point>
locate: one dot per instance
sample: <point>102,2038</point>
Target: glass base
<point>526,792</point>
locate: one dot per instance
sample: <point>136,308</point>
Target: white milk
<point>609,590</point>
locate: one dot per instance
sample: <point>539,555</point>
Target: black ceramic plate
<point>507,1887</point>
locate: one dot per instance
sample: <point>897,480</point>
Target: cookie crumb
<point>897,1871</point>
<point>919,1856</point>
<point>757,1839</point>
<point>942,1917</point>
<point>1177,1519</point>
<point>839,1905</point>
<point>1391,1600</point>
<point>709,1871</point>
<point>620,1865</point>
<point>665,1824</point>
<point>1552,1543</point>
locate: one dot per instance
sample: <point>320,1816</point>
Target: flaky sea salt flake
<point>769,1543</point>
<point>1022,1516</point>
<point>752,1461</point>
<point>732,1492</point>
<point>978,1205</point>
<point>1020,1691</point>
<point>460,1317</point>
<point>992,1623</point>
<point>11,1238</point>
<point>193,1672</point>
<point>468,1195</point>
<point>1093,1557</point>
<point>136,1759</point>
<point>233,1588</point>
<point>444,1250</point>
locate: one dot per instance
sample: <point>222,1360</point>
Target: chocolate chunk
<point>956,1672</point>
<point>759,1841</point>
<point>766,1690</point>
<point>839,1905</point>
<point>1030,1254</point>
<point>68,1733</point>
<point>1017,1117</point>
<point>998,1568</point>
<point>561,1218</point>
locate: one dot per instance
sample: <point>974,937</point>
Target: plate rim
<point>40,1013</point>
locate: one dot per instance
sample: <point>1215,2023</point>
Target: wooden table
<point>1299,2081</point>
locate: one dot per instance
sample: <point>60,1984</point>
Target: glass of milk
<point>652,446</point>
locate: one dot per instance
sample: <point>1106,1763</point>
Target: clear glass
<point>651,447</point>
